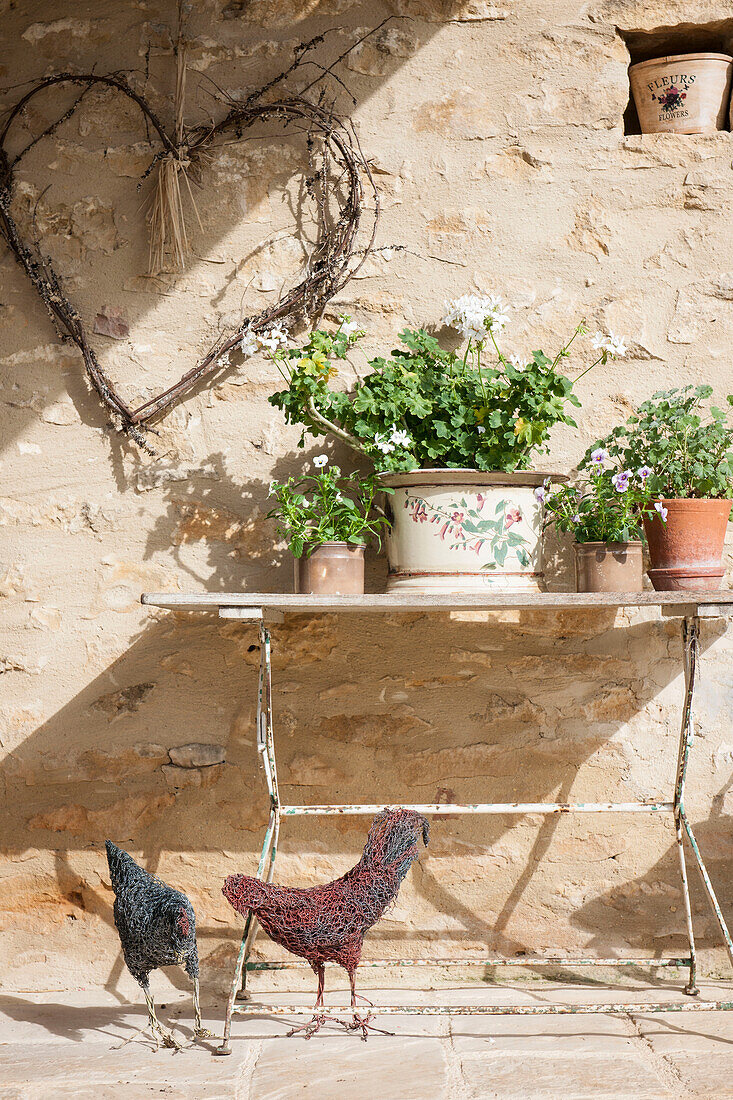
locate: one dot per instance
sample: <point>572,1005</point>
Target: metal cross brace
<point>266,749</point>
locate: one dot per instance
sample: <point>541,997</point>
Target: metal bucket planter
<point>333,569</point>
<point>608,566</point>
<point>464,531</point>
<point>682,94</point>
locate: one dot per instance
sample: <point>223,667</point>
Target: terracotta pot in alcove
<point>683,93</point>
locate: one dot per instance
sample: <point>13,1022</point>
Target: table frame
<point>263,610</point>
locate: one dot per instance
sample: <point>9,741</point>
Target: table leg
<point>690,636</point>
<point>266,749</point>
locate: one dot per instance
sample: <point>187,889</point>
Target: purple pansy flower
<point>659,507</point>
<point>620,481</point>
<point>644,473</point>
<point>599,456</point>
<point>540,493</point>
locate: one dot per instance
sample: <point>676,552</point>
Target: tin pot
<point>608,566</point>
<point>464,531</point>
<point>683,93</point>
<point>686,552</point>
<point>333,569</point>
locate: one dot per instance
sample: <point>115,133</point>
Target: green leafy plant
<point>326,507</point>
<point>423,406</point>
<point>605,506</point>
<point>690,448</point>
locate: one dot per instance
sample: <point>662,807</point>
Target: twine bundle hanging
<point>166,219</point>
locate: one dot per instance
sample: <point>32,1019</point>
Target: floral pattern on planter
<point>469,529</point>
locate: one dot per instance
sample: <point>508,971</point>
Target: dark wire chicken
<point>157,927</point>
<point>327,923</point>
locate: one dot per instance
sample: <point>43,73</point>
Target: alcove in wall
<point>715,37</point>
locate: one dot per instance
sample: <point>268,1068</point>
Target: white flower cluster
<point>396,438</point>
<point>612,344</point>
<point>474,315</point>
<point>273,338</point>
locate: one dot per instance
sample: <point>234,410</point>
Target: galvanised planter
<point>464,531</point>
<point>333,569</point>
<point>608,566</point>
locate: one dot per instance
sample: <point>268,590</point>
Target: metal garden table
<point>266,608</point>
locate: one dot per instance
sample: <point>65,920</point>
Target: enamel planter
<point>464,531</point>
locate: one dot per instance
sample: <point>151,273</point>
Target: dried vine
<point>339,181</point>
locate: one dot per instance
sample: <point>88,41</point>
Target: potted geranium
<point>690,451</point>
<point>603,511</point>
<point>327,520</point>
<point>454,433</point>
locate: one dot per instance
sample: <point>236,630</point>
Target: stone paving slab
<point>705,1075</point>
<point>89,1046</point>
<point>541,1076</point>
<point>508,1034</point>
<point>339,1067</point>
<point>669,1033</point>
<point>93,1070</point>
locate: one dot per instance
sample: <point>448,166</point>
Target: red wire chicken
<point>327,923</point>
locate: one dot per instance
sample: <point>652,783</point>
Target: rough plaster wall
<point>496,133</point>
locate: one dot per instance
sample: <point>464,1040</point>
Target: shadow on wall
<point>387,734</point>
<point>651,906</point>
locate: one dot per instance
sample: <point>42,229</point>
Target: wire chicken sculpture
<point>327,923</point>
<point>157,927</point>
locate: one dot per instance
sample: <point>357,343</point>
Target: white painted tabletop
<point>682,603</point>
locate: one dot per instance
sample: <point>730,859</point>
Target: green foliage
<point>326,507</point>
<point>688,447</point>
<point>423,406</point>
<point>606,506</point>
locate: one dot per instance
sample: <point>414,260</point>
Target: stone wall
<point>496,132</point>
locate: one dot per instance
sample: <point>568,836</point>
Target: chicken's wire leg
<point>159,1032</point>
<point>199,1031</point>
<point>266,749</point>
<point>690,637</point>
<point>319,1018</point>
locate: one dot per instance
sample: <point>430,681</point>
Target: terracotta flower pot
<point>464,531</point>
<point>333,569</point>
<point>686,551</point>
<point>608,566</point>
<point>682,94</point>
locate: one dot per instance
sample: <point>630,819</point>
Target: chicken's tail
<point>245,893</point>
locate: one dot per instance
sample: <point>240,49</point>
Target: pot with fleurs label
<point>682,94</point>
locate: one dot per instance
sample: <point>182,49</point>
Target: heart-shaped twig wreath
<point>339,173</point>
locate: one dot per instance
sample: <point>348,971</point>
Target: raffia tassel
<point>166,221</point>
